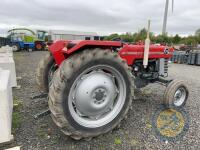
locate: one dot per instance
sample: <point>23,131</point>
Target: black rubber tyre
<point>170,92</point>
<point>44,72</point>
<point>15,47</point>
<point>63,80</point>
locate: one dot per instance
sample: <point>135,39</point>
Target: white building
<point>72,35</point>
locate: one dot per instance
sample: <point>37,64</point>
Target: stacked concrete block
<point>6,106</point>
<point>7,63</point>
<point>6,50</point>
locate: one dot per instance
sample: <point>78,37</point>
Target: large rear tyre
<point>90,94</point>
<point>44,72</point>
<point>176,94</point>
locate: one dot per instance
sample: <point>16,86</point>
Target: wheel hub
<point>14,48</point>
<point>38,46</point>
<point>94,94</point>
<point>99,95</point>
<point>178,94</point>
<point>179,97</point>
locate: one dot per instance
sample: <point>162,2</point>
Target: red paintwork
<point>56,50</point>
<point>128,52</point>
<point>81,44</point>
<point>135,52</point>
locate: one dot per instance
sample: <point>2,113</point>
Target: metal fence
<point>191,58</point>
<point>4,41</point>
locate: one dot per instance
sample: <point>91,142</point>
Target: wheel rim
<point>180,96</point>
<point>97,96</point>
<point>14,48</point>
<point>38,46</point>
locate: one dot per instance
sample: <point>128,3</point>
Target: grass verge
<point>16,116</point>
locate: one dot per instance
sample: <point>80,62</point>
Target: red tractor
<point>91,84</point>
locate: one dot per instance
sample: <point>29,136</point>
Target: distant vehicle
<point>23,38</point>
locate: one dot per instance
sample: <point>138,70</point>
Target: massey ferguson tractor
<point>91,84</point>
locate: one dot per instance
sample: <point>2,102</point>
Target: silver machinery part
<point>163,67</point>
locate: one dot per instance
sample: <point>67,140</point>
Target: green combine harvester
<point>23,38</point>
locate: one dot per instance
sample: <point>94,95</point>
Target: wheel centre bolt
<point>99,96</point>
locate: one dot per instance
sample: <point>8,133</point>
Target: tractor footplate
<point>163,81</point>
<point>44,95</point>
<point>42,114</point>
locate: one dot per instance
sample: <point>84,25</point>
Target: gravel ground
<point>136,131</point>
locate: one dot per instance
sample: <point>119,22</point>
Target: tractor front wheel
<point>15,47</point>
<point>90,94</point>
<point>176,94</point>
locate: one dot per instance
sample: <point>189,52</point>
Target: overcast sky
<point>101,16</point>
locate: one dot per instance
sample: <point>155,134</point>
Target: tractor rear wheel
<point>39,46</point>
<point>176,94</point>
<point>44,72</point>
<point>90,94</point>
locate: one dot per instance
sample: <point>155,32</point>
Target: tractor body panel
<point>23,45</point>
<point>20,43</point>
<point>28,45</point>
<point>56,50</point>
<point>135,52</point>
<point>90,43</point>
<point>62,49</point>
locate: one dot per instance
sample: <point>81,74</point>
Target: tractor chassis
<point>92,88</point>
<point>163,81</point>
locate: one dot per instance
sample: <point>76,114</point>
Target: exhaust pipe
<point>146,47</point>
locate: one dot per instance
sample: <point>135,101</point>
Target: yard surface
<point>136,132</point>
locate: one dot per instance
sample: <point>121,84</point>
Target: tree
<point>128,37</point>
<point>190,40</point>
<point>112,36</point>
<point>176,39</point>
<point>197,33</point>
<point>164,39</point>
